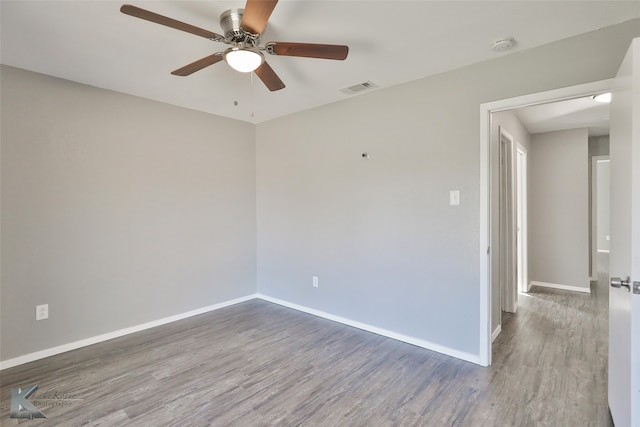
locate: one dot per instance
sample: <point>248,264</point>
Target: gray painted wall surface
<point>117,211</point>
<point>559,208</point>
<point>509,121</point>
<point>599,146</point>
<point>388,249</point>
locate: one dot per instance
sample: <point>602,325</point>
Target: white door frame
<point>485,206</point>
<point>521,222</point>
<point>507,218</point>
<point>595,202</point>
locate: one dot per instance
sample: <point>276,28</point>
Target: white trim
<point>20,360</point>
<point>485,207</point>
<point>10,363</point>
<point>562,287</point>
<point>507,253</point>
<point>522,192</point>
<point>473,358</point>
<point>603,251</point>
<point>485,228</point>
<point>495,333</point>
<point>594,212</point>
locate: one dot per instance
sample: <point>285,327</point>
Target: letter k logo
<point>21,407</point>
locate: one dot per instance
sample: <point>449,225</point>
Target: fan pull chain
<point>252,95</point>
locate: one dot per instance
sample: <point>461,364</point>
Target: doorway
<point>486,171</point>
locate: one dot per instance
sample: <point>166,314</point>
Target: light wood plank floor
<point>259,364</point>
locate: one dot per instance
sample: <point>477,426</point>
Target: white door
<point>624,306</point>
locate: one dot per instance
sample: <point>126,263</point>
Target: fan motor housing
<point>230,21</point>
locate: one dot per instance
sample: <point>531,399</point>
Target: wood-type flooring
<point>260,364</point>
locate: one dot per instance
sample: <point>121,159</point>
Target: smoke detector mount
<point>503,44</point>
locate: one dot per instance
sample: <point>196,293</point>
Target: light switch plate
<point>454,197</point>
<point>42,312</point>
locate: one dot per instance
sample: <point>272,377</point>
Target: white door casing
<point>599,209</point>
<point>624,261</point>
<point>507,221</point>
<point>521,212</point>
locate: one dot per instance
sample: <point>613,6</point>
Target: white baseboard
<point>562,287</point>
<point>496,332</point>
<point>20,360</point>
<point>473,358</point>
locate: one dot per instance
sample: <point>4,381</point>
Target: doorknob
<point>617,282</point>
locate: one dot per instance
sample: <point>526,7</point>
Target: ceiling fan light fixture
<point>244,59</point>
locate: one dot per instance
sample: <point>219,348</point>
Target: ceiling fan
<point>242,30</point>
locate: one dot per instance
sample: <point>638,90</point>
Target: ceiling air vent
<point>361,87</point>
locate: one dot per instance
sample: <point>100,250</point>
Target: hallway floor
<point>550,361</point>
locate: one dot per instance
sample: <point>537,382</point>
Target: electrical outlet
<point>42,312</point>
<point>315,281</point>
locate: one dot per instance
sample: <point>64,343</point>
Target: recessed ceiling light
<point>603,97</point>
<point>503,44</point>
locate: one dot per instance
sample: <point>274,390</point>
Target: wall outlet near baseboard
<point>315,281</point>
<point>42,312</point>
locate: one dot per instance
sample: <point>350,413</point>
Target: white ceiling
<point>568,114</point>
<point>391,42</point>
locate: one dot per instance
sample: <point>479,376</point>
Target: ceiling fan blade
<point>269,77</point>
<point>308,50</point>
<point>256,14</point>
<point>169,22</point>
<point>198,65</point>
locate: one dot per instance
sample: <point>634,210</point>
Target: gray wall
<point>117,211</point>
<point>388,249</point>
<point>559,208</point>
<point>510,122</point>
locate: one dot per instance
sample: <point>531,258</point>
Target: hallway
<point>550,361</point>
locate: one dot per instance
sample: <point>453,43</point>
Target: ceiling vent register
<point>361,87</point>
